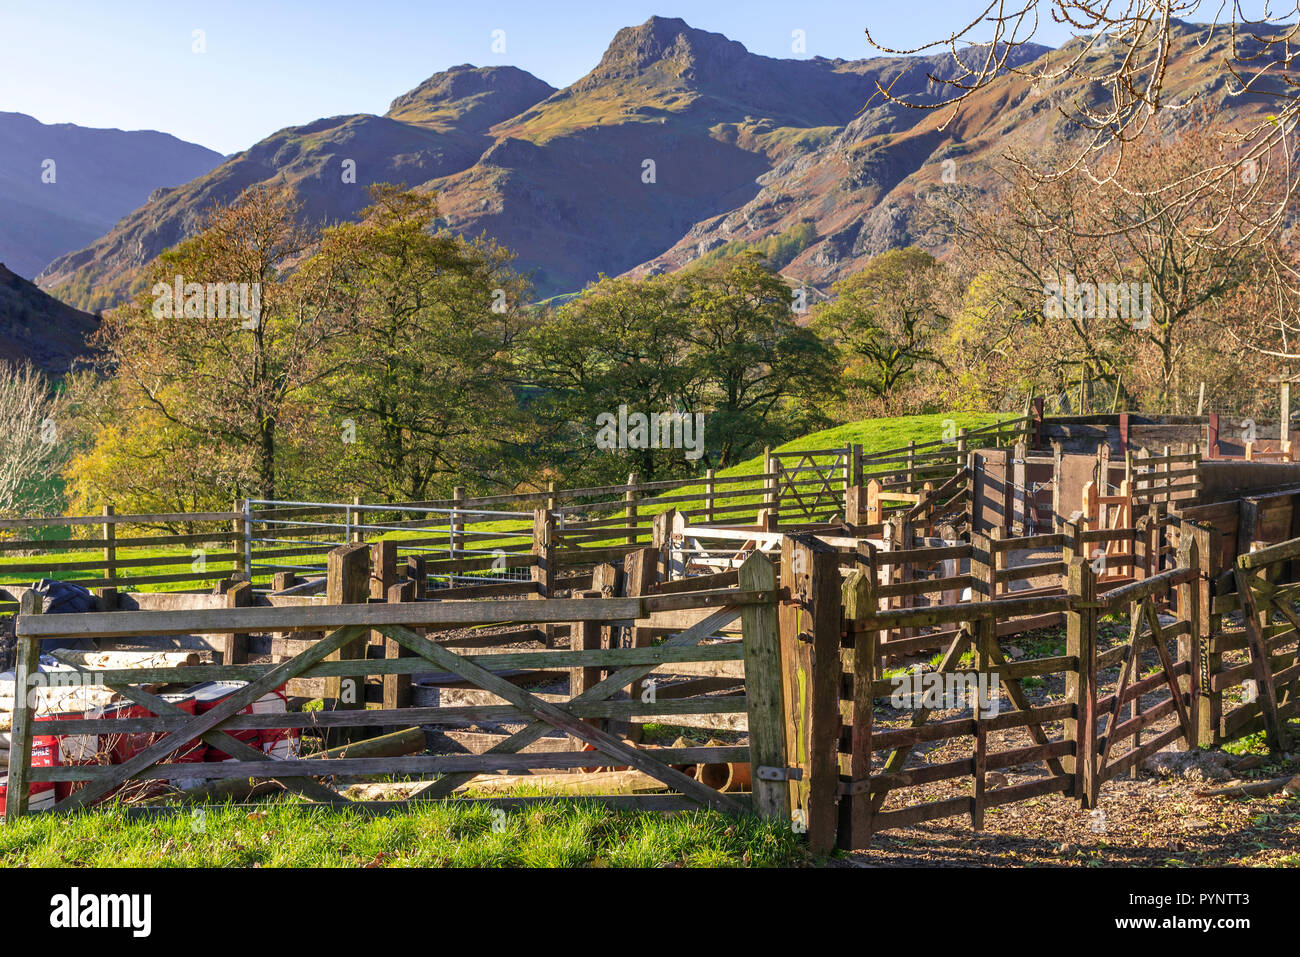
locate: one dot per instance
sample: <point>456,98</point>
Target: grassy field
<point>283,833</point>
<point>873,435</point>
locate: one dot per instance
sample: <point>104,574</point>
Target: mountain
<point>674,126</point>
<point>860,193</point>
<point>436,129</point>
<point>63,186</point>
<point>679,144</point>
<point>38,327</point>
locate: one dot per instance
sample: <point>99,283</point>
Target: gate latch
<point>766,773</point>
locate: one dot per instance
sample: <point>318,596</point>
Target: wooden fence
<point>337,658</point>
<point>813,659</point>
<point>211,551</point>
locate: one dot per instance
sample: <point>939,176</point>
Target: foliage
<point>421,398</point>
<point>31,448</point>
<point>886,319</point>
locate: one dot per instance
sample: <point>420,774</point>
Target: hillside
<point>40,328</point>
<point>98,177</point>
<point>436,129</point>
<point>679,144</point>
<point>557,176</point>
<point>862,191</point>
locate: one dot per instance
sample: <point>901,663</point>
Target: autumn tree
<point>227,335</point>
<point>886,320</point>
<point>421,401</point>
<point>1108,281</point>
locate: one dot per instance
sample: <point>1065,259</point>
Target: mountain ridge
<point>63,185</point>
<point>672,128</point>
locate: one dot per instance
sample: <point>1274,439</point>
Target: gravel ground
<point>1153,822</point>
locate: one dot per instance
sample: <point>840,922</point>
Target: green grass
<point>453,834</point>
<point>1257,743</point>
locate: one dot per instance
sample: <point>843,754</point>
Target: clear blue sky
<point>130,64</point>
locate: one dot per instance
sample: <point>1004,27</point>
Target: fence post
<point>240,529</point>
<point>1209,660</point>
<point>542,571</point>
<point>27,663</point>
<point>457,522</point>
<point>810,655</point>
<point>709,491</point>
<point>983,564</point>
<point>859,602</point>
<point>1081,683</point>
<point>640,573</point>
<point>397,688</point>
<point>771,491</point>
<point>417,572</point>
<point>857,464</point>
<point>585,636</point>
<point>763,690</point>
<point>911,464</point>
<point>354,519</point>
<point>246,539</point>
<point>383,578</point>
<point>904,538</point>
<point>629,511</point>
<point>1189,610</point>
<point>347,582</point>
<point>110,547</point>
<point>661,538</point>
<point>238,594</point>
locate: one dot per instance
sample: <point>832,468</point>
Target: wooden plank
<point>610,686</point>
<point>563,720</point>
<point>416,764</point>
<point>763,688</point>
<point>27,663</point>
<point>432,614</point>
<point>206,722</point>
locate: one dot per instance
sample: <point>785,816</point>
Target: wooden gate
<point>1128,710</point>
<point>814,487</point>
<point>578,717</point>
<point>1274,669</point>
<point>1111,514</point>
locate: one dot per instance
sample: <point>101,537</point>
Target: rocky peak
<point>474,98</point>
<point>667,40</point>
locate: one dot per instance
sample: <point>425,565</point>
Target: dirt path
<point>1152,822</point>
